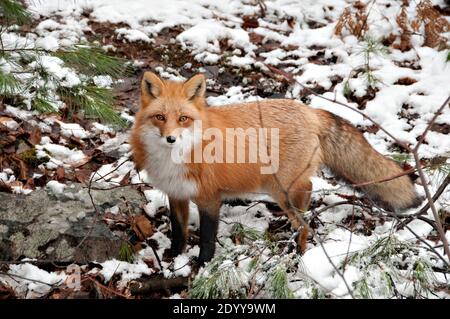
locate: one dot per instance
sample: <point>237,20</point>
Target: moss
<point>30,158</point>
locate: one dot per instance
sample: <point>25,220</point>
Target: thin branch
<point>439,227</point>
<point>120,186</point>
<point>430,124</point>
<point>29,279</point>
<point>425,208</point>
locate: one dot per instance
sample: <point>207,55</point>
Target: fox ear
<point>195,86</point>
<point>151,87</point>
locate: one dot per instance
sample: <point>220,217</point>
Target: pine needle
<point>240,232</point>
<point>363,288</point>
<point>14,12</point>
<point>95,102</point>
<point>9,85</point>
<point>223,280</point>
<point>278,283</point>
<point>92,60</point>
<point>42,104</point>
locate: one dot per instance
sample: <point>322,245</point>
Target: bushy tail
<point>347,153</point>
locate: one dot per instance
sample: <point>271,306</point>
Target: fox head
<point>169,109</point>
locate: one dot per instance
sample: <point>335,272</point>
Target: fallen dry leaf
<point>35,136</point>
<point>142,227</point>
<point>60,173</point>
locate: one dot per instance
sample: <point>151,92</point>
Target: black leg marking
<point>208,232</point>
<point>178,236</point>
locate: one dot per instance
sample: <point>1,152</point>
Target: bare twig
<point>425,208</point>
<point>29,279</point>
<point>110,290</point>
<point>119,186</point>
<point>97,212</point>
<point>430,124</point>
<point>439,227</point>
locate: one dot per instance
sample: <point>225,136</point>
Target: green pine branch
<point>43,104</point>
<point>278,283</point>
<point>9,84</point>
<point>95,102</point>
<point>92,60</point>
<point>87,60</point>
<point>14,12</point>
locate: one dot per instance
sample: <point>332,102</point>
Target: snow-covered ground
<point>300,30</point>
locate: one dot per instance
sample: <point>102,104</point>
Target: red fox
<point>168,146</point>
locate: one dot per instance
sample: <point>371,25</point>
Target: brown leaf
<point>35,136</point>
<point>23,174</point>
<point>60,173</point>
<point>6,292</point>
<point>29,184</point>
<point>10,149</point>
<point>4,187</point>
<point>406,81</point>
<point>81,162</point>
<point>250,22</point>
<point>142,227</point>
<point>82,175</point>
<point>5,119</point>
<point>75,140</point>
<point>126,179</point>
<point>137,247</point>
<point>291,22</point>
<point>23,147</point>
<point>256,38</point>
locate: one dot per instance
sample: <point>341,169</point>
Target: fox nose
<point>171,139</point>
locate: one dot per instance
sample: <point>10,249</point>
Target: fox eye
<point>160,117</point>
<point>183,118</point>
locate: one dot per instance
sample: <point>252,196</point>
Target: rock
<point>45,226</point>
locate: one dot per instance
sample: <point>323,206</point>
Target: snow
<point>127,270</point>
<point>73,129</point>
<point>59,155</point>
<point>103,81</point>
<point>37,283</point>
<point>17,112</point>
<point>321,270</point>
<point>205,36</point>
<point>56,187</point>
<point>47,43</point>
<point>155,199</point>
<point>255,218</point>
<point>54,66</point>
<point>133,35</point>
<point>113,173</point>
<point>181,266</point>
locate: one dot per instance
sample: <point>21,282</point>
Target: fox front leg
<point>209,222</point>
<point>179,215</point>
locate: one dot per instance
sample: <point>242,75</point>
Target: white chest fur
<point>165,174</point>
